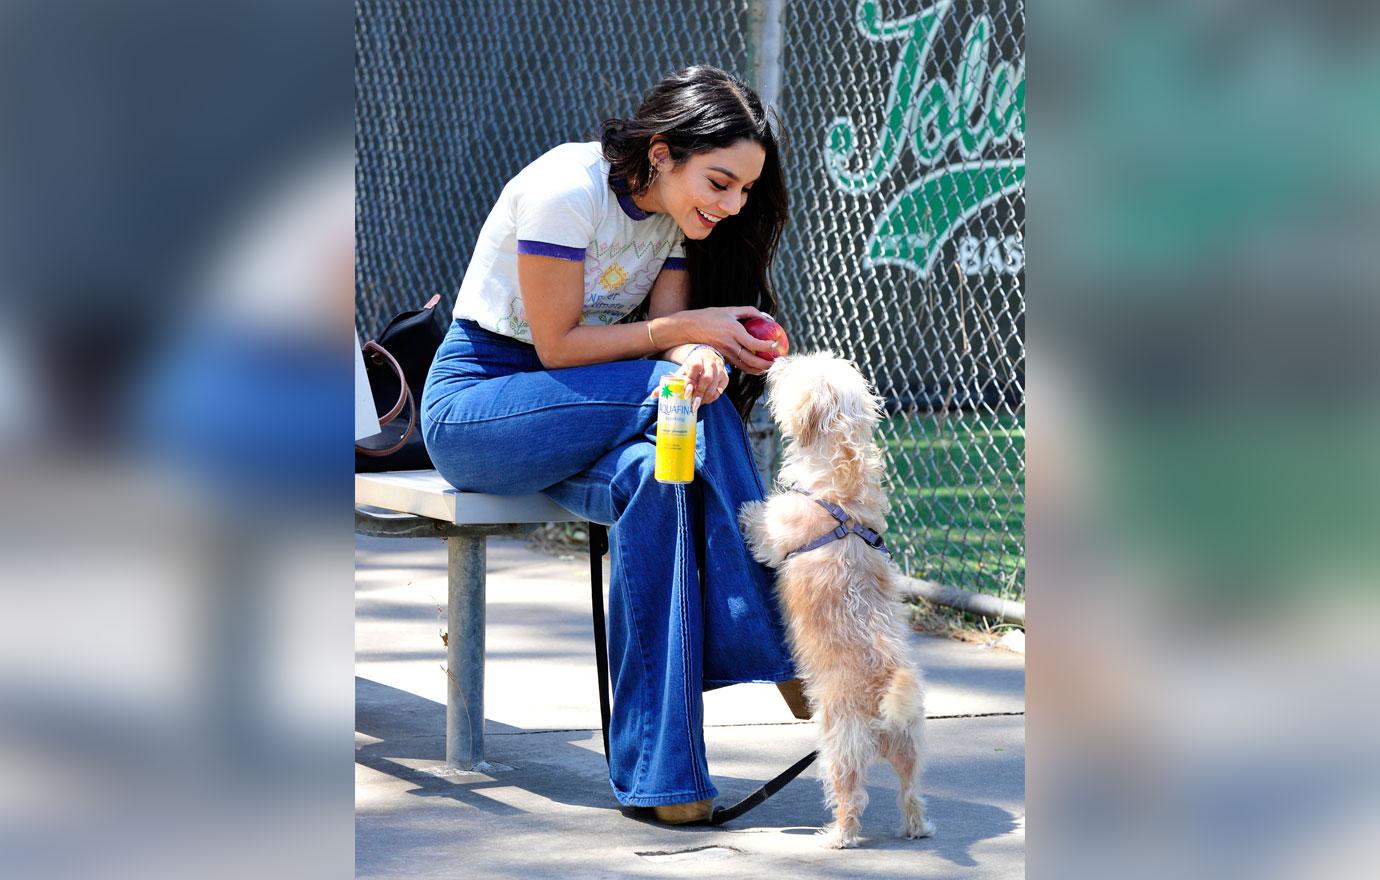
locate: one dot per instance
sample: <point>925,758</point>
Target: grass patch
<point>957,483</point>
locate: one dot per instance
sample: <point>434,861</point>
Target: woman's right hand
<point>721,327</point>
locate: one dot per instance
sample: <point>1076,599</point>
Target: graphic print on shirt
<point>514,323</point>
<point>611,292</point>
<point>613,278</point>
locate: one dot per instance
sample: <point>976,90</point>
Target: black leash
<point>724,814</point>
<point>598,546</point>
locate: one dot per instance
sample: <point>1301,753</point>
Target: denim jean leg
<point>745,635</point>
<point>656,633</point>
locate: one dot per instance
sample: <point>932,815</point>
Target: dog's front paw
<point>916,830</point>
<point>833,837</point>
<point>752,522</point>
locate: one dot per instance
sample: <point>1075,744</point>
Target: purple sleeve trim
<point>675,263</point>
<point>547,249</point>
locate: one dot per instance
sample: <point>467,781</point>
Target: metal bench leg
<point>465,653</point>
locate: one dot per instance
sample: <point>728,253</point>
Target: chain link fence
<point>905,162</point>
<point>905,253</point>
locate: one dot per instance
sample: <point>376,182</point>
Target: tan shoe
<point>794,695</point>
<point>683,814</point>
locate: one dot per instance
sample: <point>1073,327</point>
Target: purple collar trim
<point>625,200</point>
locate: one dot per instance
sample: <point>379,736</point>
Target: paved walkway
<point>553,815</point>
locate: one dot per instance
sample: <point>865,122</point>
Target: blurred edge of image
<point>176,272</point>
<point>176,267</point>
<point>1204,208</point>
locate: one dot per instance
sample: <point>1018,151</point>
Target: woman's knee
<point>659,369</point>
<point>635,473</point>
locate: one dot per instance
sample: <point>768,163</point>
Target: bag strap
<point>373,346</point>
<point>598,546</point>
<point>405,399</point>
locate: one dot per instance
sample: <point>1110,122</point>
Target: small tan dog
<point>837,587</point>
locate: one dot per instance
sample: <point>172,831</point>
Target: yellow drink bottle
<point>675,432</point>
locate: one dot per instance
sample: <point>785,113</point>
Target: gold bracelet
<point>650,339</point>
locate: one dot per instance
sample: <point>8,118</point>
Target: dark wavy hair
<point>696,110</point>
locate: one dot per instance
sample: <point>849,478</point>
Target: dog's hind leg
<point>902,749</point>
<point>848,748</point>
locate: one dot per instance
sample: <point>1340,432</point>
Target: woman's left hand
<point>705,374</point>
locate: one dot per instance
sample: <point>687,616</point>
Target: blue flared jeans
<point>689,608</point>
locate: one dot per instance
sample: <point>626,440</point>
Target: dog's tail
<point>904,700</point>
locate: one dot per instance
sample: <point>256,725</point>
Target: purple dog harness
<point>847,526</point>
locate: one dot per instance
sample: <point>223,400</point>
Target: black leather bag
<point>397,363</point>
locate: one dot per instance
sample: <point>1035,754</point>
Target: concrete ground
<point>549,811</point>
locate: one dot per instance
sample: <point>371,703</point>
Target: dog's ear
<point>849,463</point>
<point>858,413</point>
<point>818,408</point>
<point>850,458</point>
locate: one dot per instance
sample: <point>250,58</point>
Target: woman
<point>544,384</point>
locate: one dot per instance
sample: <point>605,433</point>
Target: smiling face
<point>704,189</point>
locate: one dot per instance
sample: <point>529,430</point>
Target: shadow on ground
<point>567,767</point>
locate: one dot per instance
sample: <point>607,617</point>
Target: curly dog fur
<point>839,600</point>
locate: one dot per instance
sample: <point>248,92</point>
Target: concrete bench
<point>420,504</point>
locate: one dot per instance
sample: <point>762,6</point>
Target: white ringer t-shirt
<point>562,206</point>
